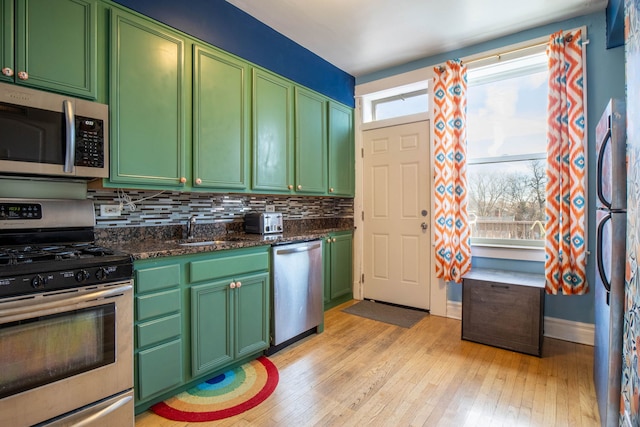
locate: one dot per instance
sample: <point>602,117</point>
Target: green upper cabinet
<point>6,41</point>
<point>341,151</point>
<point>147,96</point>
<point>221,120</point>
<point>310,142</point>
<point>50,44</point>
<point>272,133</point>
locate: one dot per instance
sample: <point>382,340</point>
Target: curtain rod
<point>520,49</point>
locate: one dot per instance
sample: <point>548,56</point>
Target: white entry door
<point>397,226</point>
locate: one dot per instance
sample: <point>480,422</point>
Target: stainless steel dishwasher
<point>297,291</point>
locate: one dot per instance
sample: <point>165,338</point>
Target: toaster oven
<point>263,222</point>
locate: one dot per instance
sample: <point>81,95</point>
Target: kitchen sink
<point>205,243</point>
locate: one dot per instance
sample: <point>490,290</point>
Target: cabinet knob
<point>183,180</point>
<point>299,187</point>
<point>290,187</point>
<point>232,285</point>
<point>23,75</point>
<point>329,240</point>
<point>333,240</point>
<point>331,190</point>
<point>238,284</point>
<point>198,181</point>
<point>7,71</point>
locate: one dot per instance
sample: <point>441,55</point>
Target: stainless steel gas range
<point>66,315</point>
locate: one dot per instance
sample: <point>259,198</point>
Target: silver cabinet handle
<point>300,249</point>
<point>70,121</point>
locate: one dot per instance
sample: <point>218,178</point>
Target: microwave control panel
<point>89,142</point>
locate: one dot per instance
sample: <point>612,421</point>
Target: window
<point>400,105</point>
<point>506,151</point>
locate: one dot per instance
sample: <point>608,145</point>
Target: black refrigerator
<point>611,217</point>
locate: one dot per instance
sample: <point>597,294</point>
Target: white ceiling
<point>363,36</point>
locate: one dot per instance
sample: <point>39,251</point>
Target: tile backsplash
<point>151,208</point>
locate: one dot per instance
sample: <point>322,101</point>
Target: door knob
<point>424,225</point>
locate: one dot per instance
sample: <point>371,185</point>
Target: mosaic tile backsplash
<point>150,208</point>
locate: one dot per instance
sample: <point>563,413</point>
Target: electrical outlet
<point>110,210</point>
<point>269,208</point>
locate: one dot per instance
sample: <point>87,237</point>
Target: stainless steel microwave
<point>43,133</point>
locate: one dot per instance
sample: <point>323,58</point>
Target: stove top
<point>54,249</point>
<point>34,253</point>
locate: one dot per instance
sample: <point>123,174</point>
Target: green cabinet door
<point>159,369</point>
<point>56,45</point>
<point>221,117</point>
<point>341,150</point>
<point>6,41</point>
<point>147,103</point>
<point>272,136</point>
<point>338,268</point>
<point>252,314</point>
<point>310,142</point>
<point>211,326</point>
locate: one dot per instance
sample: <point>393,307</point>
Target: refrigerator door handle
<point>605,142</point>
<point>603,276</point>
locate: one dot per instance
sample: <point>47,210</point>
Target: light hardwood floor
<point>361,372</point>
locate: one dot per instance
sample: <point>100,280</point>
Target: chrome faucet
<point>191,226</point>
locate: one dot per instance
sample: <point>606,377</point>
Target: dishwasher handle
<point>298,249</point>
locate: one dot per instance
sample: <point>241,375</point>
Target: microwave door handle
<point>70,153</point>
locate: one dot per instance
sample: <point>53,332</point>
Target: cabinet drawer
<point>225,266</point>
<point>157,304</point>
<point>154,331</point>
<point>156,278</point>
<point>503,315</point>
<point>159,369</point>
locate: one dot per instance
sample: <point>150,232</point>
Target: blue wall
<point>605,79</point>
<point>227,27</point>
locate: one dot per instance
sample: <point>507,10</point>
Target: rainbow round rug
<point>223,396</point>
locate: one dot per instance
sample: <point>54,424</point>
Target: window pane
<point>399,106</point>
<point>506,200</point>
<point>507,117</point>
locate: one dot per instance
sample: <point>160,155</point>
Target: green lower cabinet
<point>229,320</point>
<point>159,360</point>
<point>211,327</point>
<point>196,315</point>
<point>159,369</point>
<point>338,268</point>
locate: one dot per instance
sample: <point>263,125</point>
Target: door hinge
<point>363,215</point>
<point>362,279</point>
<point>362,153</point>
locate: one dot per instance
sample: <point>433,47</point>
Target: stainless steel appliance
<point>263,222</point>
<point>66,319</point>
<point>48,134</point>
<point>297,290</point>
<point>611,204</point>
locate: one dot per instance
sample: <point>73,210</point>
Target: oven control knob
<point>102,273</point>
<point>38,282</point>
<point>82,275</point>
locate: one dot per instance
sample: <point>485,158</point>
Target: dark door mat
<point>399,316</point>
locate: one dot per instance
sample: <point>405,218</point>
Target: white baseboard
<point>454,309</point>
<point>569,330</point>
<point>566,330</point>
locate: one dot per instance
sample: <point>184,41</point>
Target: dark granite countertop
<point>154,248</point>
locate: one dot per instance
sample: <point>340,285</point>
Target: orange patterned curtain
<point>451,226</point>
<point>566,253</point>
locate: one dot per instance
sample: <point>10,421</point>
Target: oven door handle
<point>103,412</point>
<point>32,307</point>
